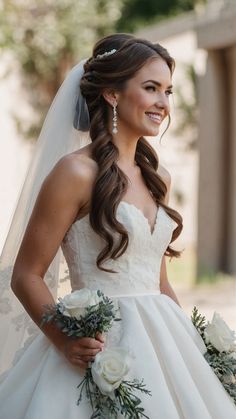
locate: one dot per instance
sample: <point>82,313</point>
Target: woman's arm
<point>165,286</point>
<point>62,194</point>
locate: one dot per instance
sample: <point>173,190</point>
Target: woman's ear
<point>110,96</point>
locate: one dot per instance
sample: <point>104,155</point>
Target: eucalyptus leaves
<point>83,313</point>
<point>221,348</point>
<point>110,393</point>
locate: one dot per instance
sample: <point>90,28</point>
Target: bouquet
<point>84,313</point>
<point>221,348</point>
<point>108,391</point>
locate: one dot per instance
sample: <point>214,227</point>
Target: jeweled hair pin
<point>106,53</point>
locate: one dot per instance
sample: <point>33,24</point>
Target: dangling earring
<point>114,120</point>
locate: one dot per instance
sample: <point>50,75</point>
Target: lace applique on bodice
<point>138,269</point>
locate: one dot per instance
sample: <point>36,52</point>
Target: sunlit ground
<point>214,293</point>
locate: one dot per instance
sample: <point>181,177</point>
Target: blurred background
<point>41,40</point>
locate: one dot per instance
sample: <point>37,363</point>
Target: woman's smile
<point>154,117</point>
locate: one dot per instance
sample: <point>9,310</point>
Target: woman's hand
<point>82,350</point>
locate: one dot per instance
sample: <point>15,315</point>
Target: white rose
<point>233,355</point>
<point>109,369</point>
<point>219,334</point>
<point>76,302</point>
<point>229,379</point>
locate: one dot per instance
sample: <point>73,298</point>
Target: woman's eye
<point>169,92</point>
<point>151,88</point>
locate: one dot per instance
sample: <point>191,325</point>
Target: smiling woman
<point>106,206</point>
<point>143,100</point>
<point>117,93</point>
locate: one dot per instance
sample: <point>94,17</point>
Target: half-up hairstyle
<point>112,72</point>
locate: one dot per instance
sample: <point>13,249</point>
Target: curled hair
<point>113,71</point>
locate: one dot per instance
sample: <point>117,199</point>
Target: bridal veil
<point>66,128</point>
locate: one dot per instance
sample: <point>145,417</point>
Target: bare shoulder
<point>77,172</point>
<point>77,166</point>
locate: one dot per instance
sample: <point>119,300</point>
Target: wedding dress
<point>167,348</point>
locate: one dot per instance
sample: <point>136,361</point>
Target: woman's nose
<point>163,103</point>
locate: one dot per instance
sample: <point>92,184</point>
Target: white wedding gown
<point>168,350</point>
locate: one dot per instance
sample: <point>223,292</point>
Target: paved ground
<point>219,297</point>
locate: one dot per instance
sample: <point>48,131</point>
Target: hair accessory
<point>114,120</point>
<point>106,53</point>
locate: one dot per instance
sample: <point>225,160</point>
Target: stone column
<point>231,108</point>
<point>212,176</point>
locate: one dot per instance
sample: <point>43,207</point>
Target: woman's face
<point>144,103</point>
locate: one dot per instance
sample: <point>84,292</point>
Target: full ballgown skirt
<point>168,350</point>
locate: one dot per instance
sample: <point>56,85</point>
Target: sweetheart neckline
<point>151,229</point>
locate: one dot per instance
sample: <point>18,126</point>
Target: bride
<point>105,204</point>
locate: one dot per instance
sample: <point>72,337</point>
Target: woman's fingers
<point>91,352</point>
<point>87,352</point>
<point>90,343</point>
<point>79,363</point>
<point>85,358</point>
<point>100,337</point>
<point>82,350</point>
<point>82,359</point>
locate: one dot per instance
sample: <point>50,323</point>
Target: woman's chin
<point>151,132</point>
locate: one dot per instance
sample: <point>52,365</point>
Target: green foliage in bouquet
<point>124,400</point>
<point>198,321</point>
<point>97,318</point>
<point>223,363</point>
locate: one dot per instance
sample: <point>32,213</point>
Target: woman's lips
<point>154,117</point>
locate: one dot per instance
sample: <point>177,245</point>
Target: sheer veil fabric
<point>58,137</point>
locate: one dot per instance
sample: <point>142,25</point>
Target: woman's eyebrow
<point>157,83</point>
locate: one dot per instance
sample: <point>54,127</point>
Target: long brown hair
<point>113,71</point>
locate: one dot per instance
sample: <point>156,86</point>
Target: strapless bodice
<point>137,270</point>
